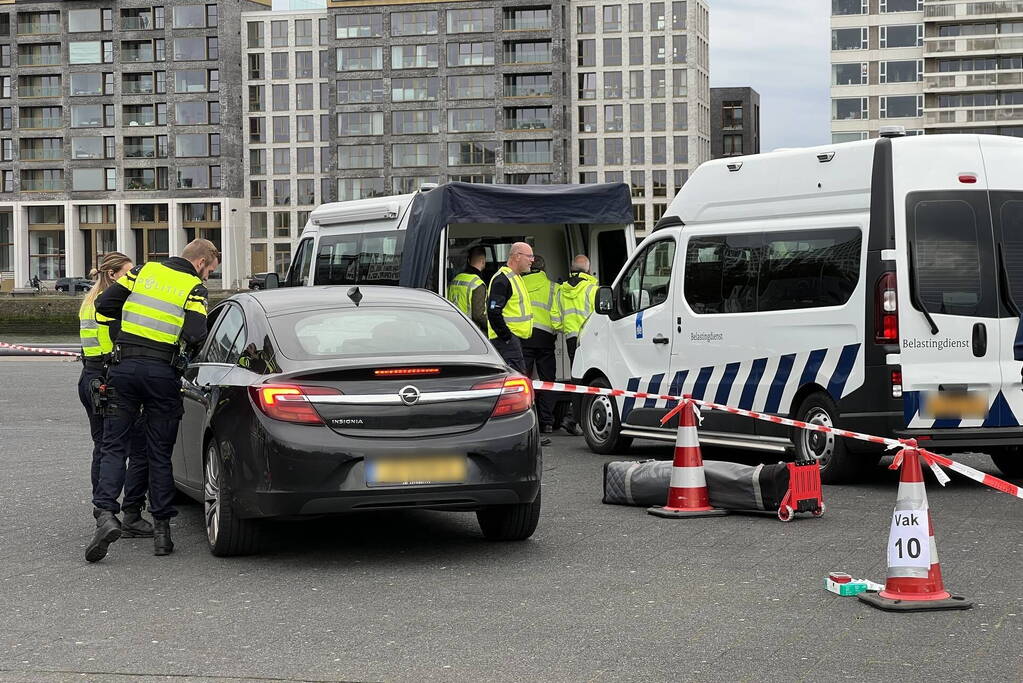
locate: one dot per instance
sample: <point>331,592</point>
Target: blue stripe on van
<point>700,388</point>
<point>675,388</point>
<point>725,386</point>
<point>749,392</point>
<point>1000,414</point>
<point>632,385</point>
<point>812,367</point>
<point>910,405</point>
<point>845,365</point>
<point>653,388</point>
<point>946,423</point>
<point>781,377</point>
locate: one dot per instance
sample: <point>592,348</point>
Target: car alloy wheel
<point>211,493</point>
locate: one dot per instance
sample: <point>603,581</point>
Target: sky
<point>782,49</point>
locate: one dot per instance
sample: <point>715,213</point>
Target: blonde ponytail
<point>110,263</point>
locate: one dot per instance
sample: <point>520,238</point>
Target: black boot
<point>162,543</point>
<point>108,530</point>
<point>134,524</point>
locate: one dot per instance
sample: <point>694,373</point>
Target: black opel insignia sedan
<point>320,400</point>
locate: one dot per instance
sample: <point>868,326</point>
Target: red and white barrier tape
<point>54,352</point>
<point>933,460</point>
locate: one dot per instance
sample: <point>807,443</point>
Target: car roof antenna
<point>355,295</point>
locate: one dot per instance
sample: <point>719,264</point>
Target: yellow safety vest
<point>159,297</point>
<point>543,298</point>
<point>577,303</point>
<point>461,289</point>
<point>517,312</point>
<point>95,337</point>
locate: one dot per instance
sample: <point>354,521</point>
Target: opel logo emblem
<point>409,395</point>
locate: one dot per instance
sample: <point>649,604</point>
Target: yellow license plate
<point>971,405</point>
<point>439,469</point>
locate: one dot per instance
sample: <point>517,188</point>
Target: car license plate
<point>434,469</point>
<point>956,405</point>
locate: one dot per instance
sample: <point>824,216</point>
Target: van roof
<point>360,210</point>
<point>292,299</point>
<point>824,179</point>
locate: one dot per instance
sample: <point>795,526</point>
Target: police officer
<point>538,350</point>
<point>96,347</point>
<point>509,313</point>
<point>576,297</point>
<point>468,291</point>
<point>157,307</point>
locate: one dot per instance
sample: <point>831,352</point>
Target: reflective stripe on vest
<point>517,311</point>
<point>543,298</point>
<point>95,338</point>
<point>155,309</point>
<point>577,304</point>
<point>461,289</point>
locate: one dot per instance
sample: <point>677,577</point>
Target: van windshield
<point>360,258</point>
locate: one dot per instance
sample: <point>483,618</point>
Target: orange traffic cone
<point>687,492</point>
<point>914,574</point>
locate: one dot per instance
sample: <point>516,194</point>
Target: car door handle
<point>979,340</point>
<point>660,339</point>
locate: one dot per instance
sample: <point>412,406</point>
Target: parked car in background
<point>259,281</point>
<point>73,285</point>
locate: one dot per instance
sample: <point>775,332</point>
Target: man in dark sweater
<point>509,312</point>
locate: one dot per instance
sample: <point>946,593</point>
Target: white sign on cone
<point>909,542</point>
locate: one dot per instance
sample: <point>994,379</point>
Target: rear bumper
<point>968,437</point>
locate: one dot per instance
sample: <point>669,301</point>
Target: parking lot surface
<point>599,593</point>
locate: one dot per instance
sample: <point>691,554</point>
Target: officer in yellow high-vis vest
<point>576,298</point>
<point>155,308</point>
<point>509,312</point>
<point>468,290</point>
<point>538,350</point>
<point>97,344</point>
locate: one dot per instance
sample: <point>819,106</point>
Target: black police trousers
<point>546,364</point>
<point>511,351</point>
<point>152,386</point>
<point>136,480</point>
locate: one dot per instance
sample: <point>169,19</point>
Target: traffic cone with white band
<point>687,492</point>
<point>914,581</point>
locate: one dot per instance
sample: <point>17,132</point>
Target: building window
<point>359,188</point>
<point>471,153</point>
<point>849,38</point>
<point>306,192</point>
<point>282,224</point>
<point>303,32</point>
<point>841,8</point>
<point>415,154</point>
<point>282,129</point>
<point>612,52</point>
<point>282,193</point>
<point>257,129</point>
<point>305,160</point>
<point>614,154</point>
<point>528,178</point>
<point>470,54</point>
<point>846,108</point>
<point>414,23</point>
<point>902,106</point>
<point>527,151</point>
<point>637,118</point>
<point>254,32</point>
<point>257,161</point>
<point>305,130</point>
<point>282,161</point>
<point>414,56</point>
<point>363,58</point>
<point>470,20</point>
<point>614,118</point>
<point>586,20</point>
<point>361,91</point>
<point>527,118</point>
<point>909,71</point>
<point>588,119</point>
<point>470,120</point>
<point>415,89</point>
<point>414,122</point>
<point>360,123</point>
<point>731,145</point>
<point>588,152</point>
<point>906,35</point>
<point>303,65</point>
<point>637,150</point>
<point>357,25</point>
<point>257,225</point>
<point>854,73</point>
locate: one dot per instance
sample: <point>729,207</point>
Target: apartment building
<point>119,124</point>
<point>932,66</point>
<point>640,94</point>
<point>735,122</point>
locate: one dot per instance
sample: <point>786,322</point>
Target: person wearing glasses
<point>509,311</point>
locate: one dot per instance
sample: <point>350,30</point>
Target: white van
<point>873,285</point>
<point>421,239</point>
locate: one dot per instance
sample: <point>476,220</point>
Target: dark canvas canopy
<point>430,212</point>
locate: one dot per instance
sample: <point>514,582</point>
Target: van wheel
<point>838,466</point>
<point>1008,460</point>
<point>602,426</point>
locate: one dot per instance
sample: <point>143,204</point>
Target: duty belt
<point>94,362</point>
<point>145,352</point>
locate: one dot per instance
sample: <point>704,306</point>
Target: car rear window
<point>375,331</point>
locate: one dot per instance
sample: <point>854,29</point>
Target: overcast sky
<point>782,49</point>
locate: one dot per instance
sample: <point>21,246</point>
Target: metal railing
<point>42,122</point>
<point>38,60</point>
<point>39,91</point>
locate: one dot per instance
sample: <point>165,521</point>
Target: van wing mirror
<point>272,281</point>
<point>605,301</point>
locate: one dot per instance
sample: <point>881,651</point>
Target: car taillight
<point>896,383</point>
<point>406,372</point>
<point>886,310</point>
<point>516,395</point>
<point>289,402</point>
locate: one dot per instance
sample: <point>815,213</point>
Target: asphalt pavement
<point>599,593</point>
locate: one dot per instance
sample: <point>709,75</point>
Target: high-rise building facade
<point>120,124</point>
<point>932,66</point>
<point>734,122</point>
<point>640,97</point>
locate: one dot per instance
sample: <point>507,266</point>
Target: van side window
<point>648,279</point>
<point>946,256</point>
<point>1011,215</point>
<point>298,276</point>
<point>772,271</point>
<point>372,258</point>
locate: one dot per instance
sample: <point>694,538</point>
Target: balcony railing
<point>39,91</point>
<point>136,23</point>
<point>529,124</point>
<point>137,88</point>
<point>38,60</point>
<point>42,122</point>
<point>32,185</point>
<point>513,157</point>
<point>986,79</point>
<point>512,57</point>
<point>140,119</point>
<point>139,152</point>
<point>139,184</point>
<point>34,154</point>
<point>38,28</point>
<point>961,45</point>
<point>137,56</point>
<point>971,9</point>
<point>973,115</point>
<point>529,91</point>
<point>513,24</point>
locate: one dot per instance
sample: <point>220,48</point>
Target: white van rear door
<point>951,342</point>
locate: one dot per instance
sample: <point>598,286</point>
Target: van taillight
<point>886,310</point>
<point>288,402</point>
<point>516,395</point>
<point>896,383</point>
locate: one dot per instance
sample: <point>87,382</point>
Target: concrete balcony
<point>972,80</point>
<point>956,117</point>
<point>965,47</point>
<point>944,11</point>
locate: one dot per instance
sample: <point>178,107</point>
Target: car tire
<point>515,522</point>
<point>602,424</point>
<point>1008,460</point>
<point>838,465</point>
<point>61,289</point>
<point>226,534</point>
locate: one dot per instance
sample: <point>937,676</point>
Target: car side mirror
<point>605,301</point>
<point>272,281</point>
